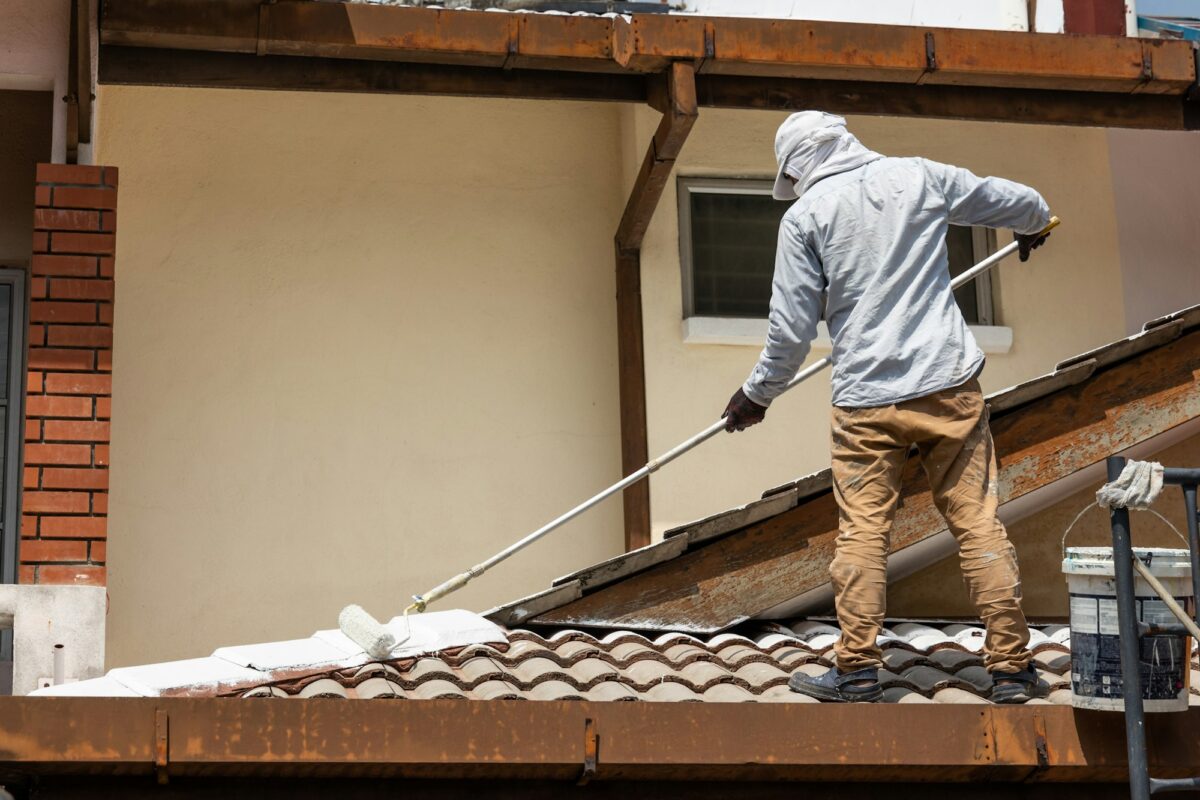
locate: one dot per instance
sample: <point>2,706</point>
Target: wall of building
<point>938,591</point>
<point>1156,194</point>
<point>1064,301</point>
<point>363,342</point>
<point>33,54</point>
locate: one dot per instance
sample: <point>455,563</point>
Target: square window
<point>727,236</point>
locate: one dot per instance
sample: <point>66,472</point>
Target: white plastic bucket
<point>1095,638</point>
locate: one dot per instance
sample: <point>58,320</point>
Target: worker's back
<point>878,234</point>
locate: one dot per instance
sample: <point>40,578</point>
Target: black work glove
<point>1027,242</point>
<point>742,412</point>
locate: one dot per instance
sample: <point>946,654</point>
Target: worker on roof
<point>869,232</point>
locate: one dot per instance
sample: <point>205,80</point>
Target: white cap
<point>791,135</point>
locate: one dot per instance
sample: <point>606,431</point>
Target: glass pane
<point>733,253</point>
<point>962,257</point>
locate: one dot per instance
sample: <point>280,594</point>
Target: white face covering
<point>825,151</point>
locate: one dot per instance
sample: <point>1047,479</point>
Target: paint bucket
<point>1095,638</point>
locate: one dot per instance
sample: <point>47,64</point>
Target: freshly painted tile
<point>271,656</point>
<point>190,676</point>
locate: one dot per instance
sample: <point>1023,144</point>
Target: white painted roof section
<point>257,664</point>
<point>294,654</point>
<point>999,15</point>
<point>190,676</point>
<point>103,686</point>
<point>425,633</point>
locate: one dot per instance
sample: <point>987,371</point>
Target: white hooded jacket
<point>871,232</point>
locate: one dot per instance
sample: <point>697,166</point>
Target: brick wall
<point>64,524</point>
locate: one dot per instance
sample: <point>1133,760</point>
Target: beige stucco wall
<point>938,591</point>
<point>361,343</point>
<point>33,55</point>
<point>1156,192</point>
<point>1064,301</point>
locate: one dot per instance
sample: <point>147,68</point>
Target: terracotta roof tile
<point>924,663</point>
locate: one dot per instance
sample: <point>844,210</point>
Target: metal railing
<point>1141,785</point>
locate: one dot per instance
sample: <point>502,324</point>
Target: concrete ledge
<point>42,616</point>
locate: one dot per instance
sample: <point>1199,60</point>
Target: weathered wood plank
<point>1077,372</point>
<point>625,564</point>
<point>720,524</point>
<point>517,612</point>
<point>734,578</point>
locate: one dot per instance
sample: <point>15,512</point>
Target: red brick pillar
<point>64,524</point>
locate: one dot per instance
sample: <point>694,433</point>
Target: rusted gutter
<point>636,741</point>
<point>647,43</point>
<point>676,98</point>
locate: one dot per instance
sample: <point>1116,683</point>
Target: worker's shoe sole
<point>1018,687</point>
<point>838,687</point>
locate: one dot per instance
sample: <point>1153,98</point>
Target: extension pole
<point>460,580</point>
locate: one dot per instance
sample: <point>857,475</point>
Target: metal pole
<point>1131,680</point>
<point>1193,522</point>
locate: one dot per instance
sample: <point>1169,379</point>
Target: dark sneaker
<point>1017,687</point>
<point>839,687</point>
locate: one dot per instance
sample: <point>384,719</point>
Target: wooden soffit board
<point>771,561</point>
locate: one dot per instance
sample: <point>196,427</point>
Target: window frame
<point>983,244</point>
<point>14,451</point>
<point>983,241</point>
<point>685,185</point>
<point>16,277</point>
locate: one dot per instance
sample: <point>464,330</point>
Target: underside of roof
<point>740,62</point>
<point>717,572</point>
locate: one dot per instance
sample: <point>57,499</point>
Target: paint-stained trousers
<point>870,446</point>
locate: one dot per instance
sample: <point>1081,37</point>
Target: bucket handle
<point>1096,504</point>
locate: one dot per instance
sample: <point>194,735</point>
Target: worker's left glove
<point>1027,242</point>
<point>742,412</point>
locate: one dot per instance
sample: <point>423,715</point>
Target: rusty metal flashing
<point>215,737</point>
<point>740,62</point>
<point>728,555</point>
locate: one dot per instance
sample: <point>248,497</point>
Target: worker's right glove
<point>742,412</point>
<point>1027,242</point>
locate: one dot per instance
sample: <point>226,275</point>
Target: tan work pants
<point>870,445</point>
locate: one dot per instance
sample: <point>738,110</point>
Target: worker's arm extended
<point>795,309</point>
<point>992,202</point>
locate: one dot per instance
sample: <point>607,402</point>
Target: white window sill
<point>739,331</point>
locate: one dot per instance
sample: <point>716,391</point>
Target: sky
<point>1168,8</point>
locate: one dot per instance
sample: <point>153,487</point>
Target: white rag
<point>1138,486</point>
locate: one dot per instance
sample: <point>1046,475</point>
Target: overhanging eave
<point>745,63</point>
